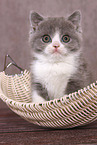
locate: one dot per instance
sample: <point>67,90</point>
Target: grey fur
<point>70,26</point>
<point>82,78</point>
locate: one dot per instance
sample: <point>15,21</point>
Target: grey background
<point>14,27</point>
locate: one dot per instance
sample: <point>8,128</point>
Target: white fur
<point>37,98</point>
<point>53,70</point>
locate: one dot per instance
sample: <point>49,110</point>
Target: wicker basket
<point>78,108</point>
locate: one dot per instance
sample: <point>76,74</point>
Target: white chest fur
<point>54,76</point>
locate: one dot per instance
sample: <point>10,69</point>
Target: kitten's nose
<point>56,45</point>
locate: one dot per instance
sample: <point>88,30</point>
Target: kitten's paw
<point>36,98</point>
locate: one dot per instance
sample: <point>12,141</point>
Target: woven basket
<point>78,108</point>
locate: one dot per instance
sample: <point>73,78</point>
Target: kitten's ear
<point>35,19</point>
<point>75,18</point>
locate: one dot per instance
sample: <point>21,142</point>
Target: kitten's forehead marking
<point>56,37</point>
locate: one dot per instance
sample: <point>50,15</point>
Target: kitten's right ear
<point>35,19</point>
<point>75,18</point>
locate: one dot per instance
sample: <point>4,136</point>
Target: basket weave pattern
<point>78,108</point>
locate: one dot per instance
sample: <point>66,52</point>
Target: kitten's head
<point>55,37</point>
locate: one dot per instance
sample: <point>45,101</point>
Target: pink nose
<point>56,44</point>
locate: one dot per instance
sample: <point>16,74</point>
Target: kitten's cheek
<point>64,51</point>
<point>48,50</point>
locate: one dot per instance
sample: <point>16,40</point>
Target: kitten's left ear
<point>35,19</point>
<point>75,18</point>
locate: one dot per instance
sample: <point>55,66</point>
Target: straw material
<point>76,109</point>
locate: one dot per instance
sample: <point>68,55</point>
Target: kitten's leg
<point>36,98</point>
<point>74,85</point>
<point>41,91</point>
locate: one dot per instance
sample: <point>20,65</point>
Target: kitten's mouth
<point>56,51</point>
<point>56,54</point>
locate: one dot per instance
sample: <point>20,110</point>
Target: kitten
<point>58,67</point>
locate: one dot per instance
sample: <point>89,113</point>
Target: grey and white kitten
<point>57,67</point>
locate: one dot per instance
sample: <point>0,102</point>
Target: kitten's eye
<point>46,38</point>
<point>65,38</point>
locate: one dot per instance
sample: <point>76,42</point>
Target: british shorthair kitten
<point>57,67</point>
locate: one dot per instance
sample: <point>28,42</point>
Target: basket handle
<point>11,63</point>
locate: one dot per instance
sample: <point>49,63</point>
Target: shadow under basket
<point>76,109</point>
